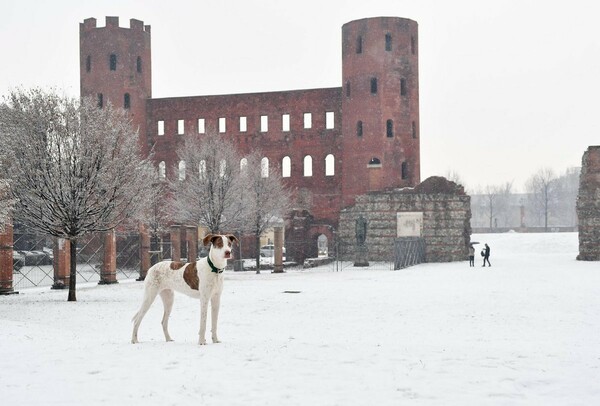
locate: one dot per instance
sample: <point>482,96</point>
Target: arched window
<point>307,165</point>
<point>162,170</point>
<point>181,170</point>
<point>374,163</point>
<point>100,100</point>
<point>348,88</point>
<point>329,165</point>
<point>388,42</point>
<point>243,164</point>
<point>126,101</point>
<point>359,45</point>
<point>404,170</point>
<point>359,129</point>
<point>414,130</point>
<point>389,128</point>
<point>88,63</point>
<point>286,167</point>
<point>113,62</point>
<point>264,167</point>
<point>373,85</point>
<point>138,64</point>
<point>403,87</point>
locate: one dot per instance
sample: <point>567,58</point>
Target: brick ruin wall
<point>588,206</point>
<point>446,219</point>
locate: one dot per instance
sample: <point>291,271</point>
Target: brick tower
<point>380,105</point>
<point>115,66</point>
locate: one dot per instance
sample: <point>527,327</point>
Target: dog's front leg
<point>215,303</point>
<point>203,316</point>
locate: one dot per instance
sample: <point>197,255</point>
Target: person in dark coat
<point>486,255</point>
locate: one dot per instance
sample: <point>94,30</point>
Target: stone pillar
<point>108,274</point>
<point>61,263</point>
<point>144,251</point>
<point>6,261</point>
<point>191,237</point>
<point>278,242</point>
<point>588,206</point>
<point>176,243</point>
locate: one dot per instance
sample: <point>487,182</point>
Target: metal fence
<point>405,252</point>
<point>33,256</point>
<point>408,251</point>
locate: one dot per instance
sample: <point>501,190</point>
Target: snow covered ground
<point>524,332</point>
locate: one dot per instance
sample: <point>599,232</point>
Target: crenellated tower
<point>380,105</point>
<point>115,65</point>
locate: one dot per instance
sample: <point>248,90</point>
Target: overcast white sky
<point>506,87</point>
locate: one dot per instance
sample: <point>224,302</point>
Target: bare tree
<point>497,203</point>
<point>158,217</point>
<point>6,200</point>
<point>455,177</point>
<point>266,198</point>
<point>75,168</point>
<point>567,189</point>
<point>207,190</point>
<point>491,198</point>
<point>541,188</point>
<point>6,203</point>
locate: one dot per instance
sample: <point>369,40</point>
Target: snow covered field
<point>524,332</point>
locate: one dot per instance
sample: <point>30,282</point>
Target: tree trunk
<point>257,252</point>
<point>73,271</point>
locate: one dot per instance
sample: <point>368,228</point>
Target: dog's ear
<point>208,238</point>
<point>232,238</point>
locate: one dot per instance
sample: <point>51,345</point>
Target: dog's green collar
<point>213,268</point>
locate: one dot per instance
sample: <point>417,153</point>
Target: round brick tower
<point>115,66</point>
<point>380,105</point>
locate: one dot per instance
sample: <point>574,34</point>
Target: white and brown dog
<point>202,279</point>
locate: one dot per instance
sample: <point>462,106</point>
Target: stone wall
<point>588,206</point>
<point>446,219</point>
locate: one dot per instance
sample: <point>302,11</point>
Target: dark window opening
<point>389,128</point>
<point>100,100</point>
<point>359,129</point>
<point>388,42</point>
<point>373,85</point>
<point>348,89</point>
<point>414,130</point>
<point>413,45</point>
<point>126,101</point>
<point>139,64</point>
<point>374,161</point>
<point>402,87</point>
<point>113,62</point>
<point>88,63</point>
<point>404,170</point>
<point>359,45</point>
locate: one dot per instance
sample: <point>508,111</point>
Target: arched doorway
<point>322,244</point>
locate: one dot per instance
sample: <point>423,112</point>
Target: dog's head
<point>221,244</point>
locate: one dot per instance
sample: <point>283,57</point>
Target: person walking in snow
<point>486,255</point>
<point>471,255</point>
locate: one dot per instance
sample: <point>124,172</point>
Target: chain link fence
<point>33,256</point>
